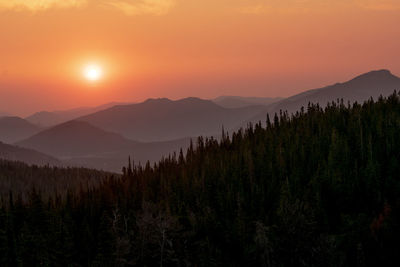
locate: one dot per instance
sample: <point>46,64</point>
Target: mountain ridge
<point>164,119</point>
<point>79,143</point>
<point>358,89</point>
<point>74,138</point>
<point>29,156</point>
<point>13,129</point>
<point>52,118</point>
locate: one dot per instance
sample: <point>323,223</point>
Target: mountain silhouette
<point>79,143</point>
<point>164,119</point>
<point>159,127</point>
<point>361,88</point>
<point>48,119</point>
<point>75,138</point>
<point>29,156</point>
<point>13,129</point>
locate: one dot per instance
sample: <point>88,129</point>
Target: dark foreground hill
<point>19,179</point>
<point>318,189</point>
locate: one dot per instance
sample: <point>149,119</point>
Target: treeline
<point>319,188</point>
<point>21,179</point>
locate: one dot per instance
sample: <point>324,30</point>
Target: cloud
<point>161,7</point>
<point>266,6</point>
<point>139,7</point>
<point>128,7</point>
<point>40,5</point>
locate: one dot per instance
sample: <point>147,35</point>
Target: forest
<point>320,187</point>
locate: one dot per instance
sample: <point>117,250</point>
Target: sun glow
<point>93,72</point>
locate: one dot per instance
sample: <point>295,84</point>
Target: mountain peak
<point>384,71</point>
<point>192,100</point>
<point>158,100</point>
<point>376,75</point>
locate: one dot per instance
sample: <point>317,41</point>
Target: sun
<point>93,72</point>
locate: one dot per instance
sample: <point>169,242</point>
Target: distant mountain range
<point>371,84</point>
<point>240,102</point>
<point>14,153</point>
<point>80,143</point>
<point>75,138</point>
<point>164,119</point>
<point>13,129</point>
<point>48,119</point>
<point>157,127</point>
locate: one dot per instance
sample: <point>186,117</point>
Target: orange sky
<point>180,48</point>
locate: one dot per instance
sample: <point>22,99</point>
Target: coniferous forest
<point>317,188</point>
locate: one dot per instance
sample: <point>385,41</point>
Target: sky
<point>181,48</point>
